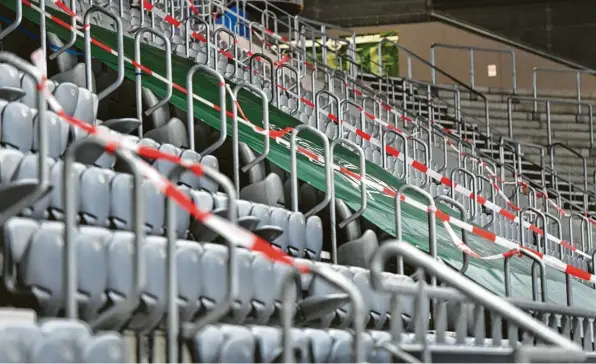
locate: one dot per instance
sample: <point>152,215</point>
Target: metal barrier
<point>119,48</point>
<point>138,84</point>
<point>578,73</point>
<point>236,138</point>
<point>363,194</point>
<point>471,50</point>
<point>190,110</point>
<point>464,290</point>
<point>548,102</point>
<point>431,66</point>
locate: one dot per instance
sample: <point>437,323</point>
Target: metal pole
<point>472,80</point>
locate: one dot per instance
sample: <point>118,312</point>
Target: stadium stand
<point>148,214</point>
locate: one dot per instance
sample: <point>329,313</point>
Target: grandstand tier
<point>189,185</point>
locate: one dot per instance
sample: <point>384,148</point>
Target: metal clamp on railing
<point>119,48</point>
<point>139,80</point>
<point>190,111</point>
<point>236,138</point>
<point>363,195</point>
<point>471,50</point>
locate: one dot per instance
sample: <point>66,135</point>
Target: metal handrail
<point>501,39</point>
<point>578,73</point>
<point>473,49</point>
<point>462,286</point>
<point>427,63</point>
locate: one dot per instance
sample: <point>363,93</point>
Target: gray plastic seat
<point>9,82</point>
<point>188,178</point>
<point>153,298</point>
<point>9,162</point>
<point>58,134</point>
<point>314,238</point>
<point>242,307</point>
<point>16,126</point>
<point>121,204</point>
<point>17,233</point>
<point>51,349</point>
<point>27,171</point>
<point>73,333</point>
<point>86,107</point>
<point>293,239</point>
<point>263,300</point>
<point>205,182</point>
<point>105,160</point>
<point>358,252</point>
<point>10,349</point>
<point>165,167</point>
<point>67,95</point>
<point>224,344</point>
<point>188,257</point>
<point>319,288</point>
<point>94,195</point>
<point>119,286</point>
<point>42,270</point>
<point>269,191</point>
<point>56,207</point>
<point>29,86</point>
<point>104,348</point>
<point>213,275</point>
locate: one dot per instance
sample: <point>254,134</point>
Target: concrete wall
<point>419,37</point>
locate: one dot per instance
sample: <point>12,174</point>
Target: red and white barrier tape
<point>232,232</point>
<point>278,135</point>
<point>512,247</point>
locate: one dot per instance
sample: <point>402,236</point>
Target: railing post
<point>472,77</point>
<point>433,73</point>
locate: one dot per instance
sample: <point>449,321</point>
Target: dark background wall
<point>565,28</point>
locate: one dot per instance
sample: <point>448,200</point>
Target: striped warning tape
<point>232,232</point>
<point>512,247</point>
<point>278,135</point>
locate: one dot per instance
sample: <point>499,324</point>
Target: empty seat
<point>16,126</point>
<point>41,270</point>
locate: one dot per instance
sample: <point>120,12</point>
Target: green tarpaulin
<point>380,210</point>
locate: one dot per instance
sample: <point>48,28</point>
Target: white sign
<point>492,70</point>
